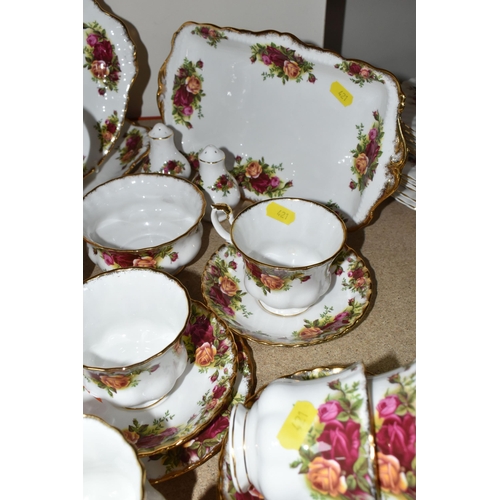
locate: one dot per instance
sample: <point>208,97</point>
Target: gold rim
<point>178,338</point>
<point>193,228</point>
<point>393,168</point>
<point>311,202</point>
<point>114,429</point>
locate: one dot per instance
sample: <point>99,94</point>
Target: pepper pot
<point>164,157</point>
<point>217,183</point>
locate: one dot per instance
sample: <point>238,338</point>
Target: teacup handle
<point>226,209</point>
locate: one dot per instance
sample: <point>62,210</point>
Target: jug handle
<point>226,209</point>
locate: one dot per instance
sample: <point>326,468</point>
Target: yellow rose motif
<point>131,436</point>
<point>228,286</point>
<point>291,69</point>
<point>310,333</point>
<point>361,163</point>
<point>193,85</point>
<point>391,478</point>
<point>272,282</point>
<point>253,169</point>
<point>99,69</point>
<point>144,262</point>
<point>205,354</point>
<point>107,136</point>
<point>116,381</point>
<point>325,476</point>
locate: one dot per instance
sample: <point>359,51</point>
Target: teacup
<point>133,320</point>
<point>111,467</point>
<point>288,246</point>
<point>144,220</point>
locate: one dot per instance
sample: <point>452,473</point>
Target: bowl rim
<point>192,228</point>
<point>178,338</point>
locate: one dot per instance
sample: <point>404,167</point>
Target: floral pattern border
<point>100,58</point>
<point>187,92</point>
<point>282,62</point>
<point>367,153</point>
<point>211,35</point>
<point>359,74</point>
<point>260,178</point>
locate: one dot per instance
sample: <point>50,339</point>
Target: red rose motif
<point>155,439</point>
<point>220,298</point>
<point>182,97</point>
<point>344,439</point>
<point>372,150</point>
<point>397,437</point>
<point>276,56</point>
<point>220,424</point>
<point>200,331</point>
<point>253,269</point>
<point>103,51</point>
<point>387,406</point>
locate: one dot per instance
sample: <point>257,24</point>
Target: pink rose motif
<point>344,439</point>
<point>356,273</point>
<point>372,134</point>
<point>327,412</point>
<point>92,39</point>
<point>266,60</point>
<point>365,72</point>
<point>388,406</point>
<point>187,110</point>
<point>397,437</point>
<point>275,181</point>
<point>107,259</point>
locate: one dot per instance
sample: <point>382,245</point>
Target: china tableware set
<point>169,381</point>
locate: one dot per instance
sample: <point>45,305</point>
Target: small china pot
<point>133,321</point>
<point>144,220</point>
<point>111,467</point>
<point>303,439</point>
<point>164,157</point>
<point>217,183</point>
<point>288,246</point>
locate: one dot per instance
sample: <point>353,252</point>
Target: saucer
<point>181,459</point>
<point>338,311</point>
<point>225,486</point>
<point>393,400</point>
<point>132,147</point>
<point>198,396</point>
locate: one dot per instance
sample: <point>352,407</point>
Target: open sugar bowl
<point>133,320</point>
<point>144,220</point>
<point>288,246</point>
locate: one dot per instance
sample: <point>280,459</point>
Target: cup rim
<point>114,429</point>
<point>154,247</point>
<point>178,338</point>
<point>291,198</point>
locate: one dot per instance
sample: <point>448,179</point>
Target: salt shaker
<point>164,157</point>
<point>218,184</point>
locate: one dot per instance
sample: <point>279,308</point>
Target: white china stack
<point>407,190</point>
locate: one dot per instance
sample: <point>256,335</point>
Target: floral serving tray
<point>132,147</point>
<point>109,69</point>
<point>199,395</point>
<point>393,399</point>
<point>337,312</point>
<point>294,120</point>
<point>351,437</point>
<point>198,450</point>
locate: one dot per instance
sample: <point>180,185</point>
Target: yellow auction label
<point>279,212</point>
<point>294,430</point>
<point>339,91</point>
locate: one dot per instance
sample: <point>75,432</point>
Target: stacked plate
<point>407,190</point>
